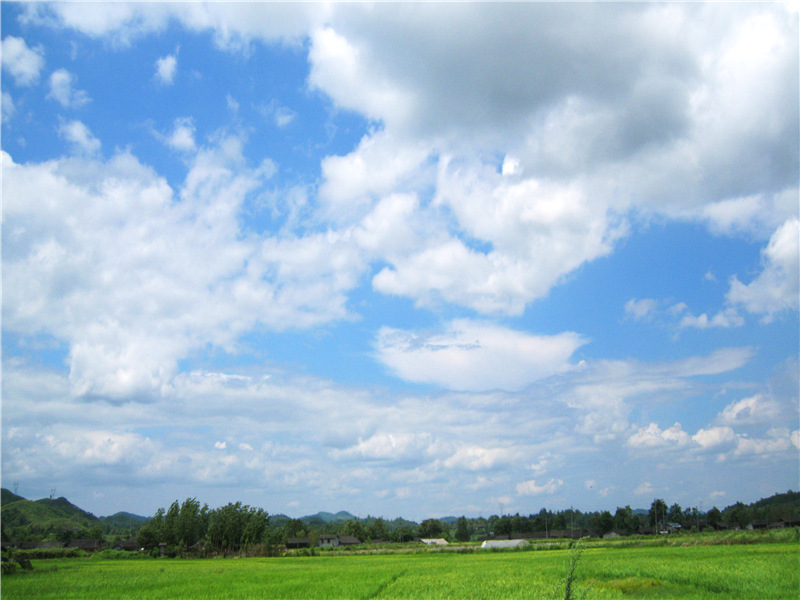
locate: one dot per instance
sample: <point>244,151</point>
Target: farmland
<point>767,570</point>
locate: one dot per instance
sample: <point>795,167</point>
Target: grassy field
<point>761,571</point>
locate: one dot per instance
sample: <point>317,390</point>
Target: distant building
<point>294,543</point>
<point>348,540</point>
<point>505,544</point>
<point>328,541</point>
<point>434,541</point>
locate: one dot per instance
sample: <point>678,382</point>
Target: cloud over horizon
<point>411,249</point>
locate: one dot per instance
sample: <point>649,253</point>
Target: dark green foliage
<point>430,528</point>
<point>462,530</point>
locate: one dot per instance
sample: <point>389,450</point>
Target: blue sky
<point>400,259</point>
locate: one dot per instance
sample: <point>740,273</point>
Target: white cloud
<point>387,446</point>
<point>345,73</point>
<point>477,458</point>
<point>530,488</point>
<point>640,309</point>
<point>182,136</point>
<point>220,445</point>
<point>166,68</point>
<point>281,116</point>
<point>778,440</point>
<point>379,165</point>
<point>23,63</point>
<point>472,355</point>
<point>536,233</point>
<point>644,488</point>
<point>8,108</point>
<point>61,89</point>
<point>755,409</point>
<point>726,318</point>
<point>776,288</point>
<point>714,437</point>
<point>125,327</point>
<point>78,134</point>
<point>653,437</point>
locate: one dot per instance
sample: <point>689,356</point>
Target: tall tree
<point>657,513</point>
<point>675,514</point>
<point>623,519</point>
<point>462,529</point>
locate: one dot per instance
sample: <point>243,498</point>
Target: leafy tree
<point>602,522</point>
<point>462,529</point>
<point>356,529</point>
<point>738,513</point>
<point>151,534</point>
<point>192,523</point>
<point>623,519</point>
<point>171,524</point>
<point>430,528</point>
<point>235,526</point>
<point>675,514</point>
<point>713,516</point>
<point>295,528</point>
<point>657,513</point>
<point>503,525</point>
<point>377,530</point>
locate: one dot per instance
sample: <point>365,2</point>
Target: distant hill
<point>46,511</point>
<point>124,520</point>
<point>790,498</point>
<point>326,517</point>
<point>7,497</point>
<point>25,518</point>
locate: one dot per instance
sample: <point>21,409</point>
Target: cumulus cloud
<point>653,436</point>
<point>640,309</point>
<point>778,440</point>
<point>166,68</point>
<point>644,488</point>
<point>755,409</point>
<point>531,488</point>
<point>776,288</point>
<point>80,137</point>
<point>473,355</point>
<point>478,458</point>
<point>125,339</point>
<point>23,63</point>
<point>8,107</point>
<point>61,90</point>
<point>714,437</point>
<point>181,137</point>
<point>537,232</point>
<point>726,318</point>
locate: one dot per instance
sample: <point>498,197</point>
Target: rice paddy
<point>764,571</point>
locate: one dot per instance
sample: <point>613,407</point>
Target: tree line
<point>236,527</point>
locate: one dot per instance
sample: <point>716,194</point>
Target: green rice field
<point>757,571</point>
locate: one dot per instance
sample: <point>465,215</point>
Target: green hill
<point>7,497</point>
<point>46,513</point>
<point>789,498</point>
<point>326,517</point>
<point>124,520</point>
